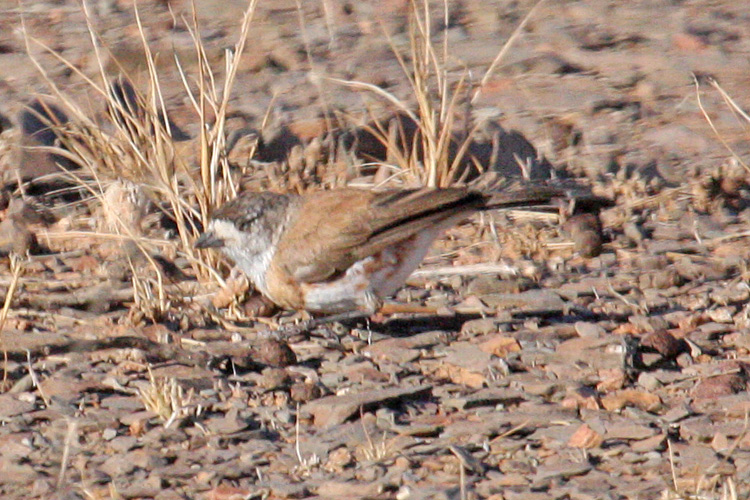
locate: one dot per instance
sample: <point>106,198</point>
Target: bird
<point>346,250</point>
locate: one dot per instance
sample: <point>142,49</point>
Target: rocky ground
<point>515,367</point>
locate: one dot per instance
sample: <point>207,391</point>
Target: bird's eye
<point>249,219</point>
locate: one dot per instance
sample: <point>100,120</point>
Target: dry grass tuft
<point>429,145</point>
<point>166,398</point>
<point>142,162</point>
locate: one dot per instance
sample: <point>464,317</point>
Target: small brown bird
<point>345,250</point>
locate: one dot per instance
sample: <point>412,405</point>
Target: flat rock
<point>334,410</point>
<point>529,302</point>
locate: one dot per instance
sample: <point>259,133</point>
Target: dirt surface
<point>528,370</point>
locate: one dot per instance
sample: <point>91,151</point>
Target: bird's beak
<point>209,240</point>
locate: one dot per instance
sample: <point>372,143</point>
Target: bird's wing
<point>337,228</point>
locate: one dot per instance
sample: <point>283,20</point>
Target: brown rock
<point>654,443</point>
<point>274,378</point>
<point>581,397</point>
<point>483,285</point>
<point>721,385</point>
<point>341,489</point>
<point>532,301</point>
<point>500,346</point>
<point>226,424</point>
<point>586,232</point>
<point>561,470</point>
<point>640,399</point>
<point>309,129</point>
<point>628,431</point>
<point>664,343</point>
<point>466,364</point>
<point>302,392</point>
<point>403,350</point>
<point>585,329</point>
<point>333,410</point>
<point>226,492</point>
<point>661,280</point>
<point>612,379</point>
<point>586,438</point>
<point>338,459</point>
<point>482,326</point>
<point>274,353</point>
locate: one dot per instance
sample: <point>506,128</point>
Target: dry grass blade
<point>500,55</point>
<point>733,106</point>
<point>16,269</point>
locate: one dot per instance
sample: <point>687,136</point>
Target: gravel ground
<point>517,368</point>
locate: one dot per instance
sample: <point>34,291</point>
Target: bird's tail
<point>542,194</point>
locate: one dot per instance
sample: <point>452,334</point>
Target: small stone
<point>630,397</point>
<point>585,438</point>
<point>483,285</point>
<point>635,233</point>
<point>482,326</point>
<point>227,492</point>
<point>660,280</point>
<point>687,42</point>
<point>532,301</point>
<point>338,459</point>
<point>302,392</point>
<point>274,378</point>
<point>586,232</point>
<point>678,413</point>
<point>500,346</point>
<point>721,385</point>
<point>648,381</point>
<point>664,343</point>
<point>585,329</point>
<point>654,443</point>
<point>612,379</point>
<point>274,353</point>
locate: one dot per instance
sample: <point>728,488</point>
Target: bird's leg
<point>311,323</point>
<point>369,308</point>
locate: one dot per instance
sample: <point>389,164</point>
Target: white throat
<point>240,247</point>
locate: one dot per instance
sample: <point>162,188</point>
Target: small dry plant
<point>166,398</point>
<point>375,451</point>
<point>429,145</point>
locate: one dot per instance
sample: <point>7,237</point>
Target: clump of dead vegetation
<point>429,144</point>
<point>141,166</point>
